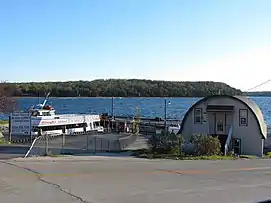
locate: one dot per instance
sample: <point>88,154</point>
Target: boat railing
<point>68,115</point>
<point>73,115</point>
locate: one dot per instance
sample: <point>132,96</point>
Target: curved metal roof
<point>255,109</point>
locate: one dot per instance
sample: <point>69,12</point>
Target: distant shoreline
<point>100,97</point>
<point>32,97</point>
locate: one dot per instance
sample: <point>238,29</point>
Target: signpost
<point>20,124</point>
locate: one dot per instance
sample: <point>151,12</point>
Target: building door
<point>211,123</point>
<point>237,146</point>
<point>220,123</point>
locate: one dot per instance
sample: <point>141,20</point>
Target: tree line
<point>7,101</point>
<point>123,88</point>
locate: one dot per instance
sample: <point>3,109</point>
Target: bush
<point>231,153</point>
<point>206,145</point>
<point>268,154</point>
<point>166,144</point>
<point>172,144</point>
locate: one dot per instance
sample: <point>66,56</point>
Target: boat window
<point>46,113</point>
<point>48,128</point>
<point>96,124</point>
<point>80,125</point>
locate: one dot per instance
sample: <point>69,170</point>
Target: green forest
<point>123,88</point>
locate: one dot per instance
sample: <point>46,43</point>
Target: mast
<point>45,100</point>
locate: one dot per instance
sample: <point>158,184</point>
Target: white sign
<point>64,120</point>
<point>48,122</point>
<point>20,123</point>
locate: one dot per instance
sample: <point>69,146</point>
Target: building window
<point>220,126</point>
<point>198,116</point>
<point>243,117</point>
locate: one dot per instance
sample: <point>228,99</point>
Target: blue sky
<point>57,40</point>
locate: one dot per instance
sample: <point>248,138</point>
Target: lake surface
<point>148,107</point>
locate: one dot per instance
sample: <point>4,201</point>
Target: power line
<point>258,85</point>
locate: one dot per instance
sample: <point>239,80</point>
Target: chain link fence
<point>80,144</point>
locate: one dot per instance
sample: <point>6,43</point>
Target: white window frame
<point>243,116</point>
<point>198,115</point>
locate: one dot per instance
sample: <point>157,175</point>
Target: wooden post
<point>30,123</point>
<point>63,138</point>
<point>9,128</point>
<point>94,144</point>
<point>46,144</point>
<point>87,142</point>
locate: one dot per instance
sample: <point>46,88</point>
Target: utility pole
<point>137,121</point>
<point>112,112</point>
<point>112,107</point>
<point>165,108</point>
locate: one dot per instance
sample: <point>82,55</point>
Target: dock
<point>147,126</point>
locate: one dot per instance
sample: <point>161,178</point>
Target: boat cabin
<point>42,112</point>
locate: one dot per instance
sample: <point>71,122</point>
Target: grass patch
<point>144,153</point>
<point>247,157</point>
<point>50,154</point>
<point>267,156</point>
<point>3,122</point>
<point>213,157</point>
<point>3,141</point>
<point>180,157</point>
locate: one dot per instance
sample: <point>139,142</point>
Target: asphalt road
<point>128,180</point>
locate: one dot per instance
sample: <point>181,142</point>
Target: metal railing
<point>228,141</point>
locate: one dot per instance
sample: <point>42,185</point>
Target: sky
<point>181,40</point>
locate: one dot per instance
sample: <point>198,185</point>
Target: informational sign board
<point>20,123</point>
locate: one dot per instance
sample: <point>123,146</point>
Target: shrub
<point>231,153</point>
<point>268,154</point>
<point>166,144</point>
<point>135,128</point>
<point>206,145</point>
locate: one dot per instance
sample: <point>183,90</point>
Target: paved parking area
<point>129,180</point>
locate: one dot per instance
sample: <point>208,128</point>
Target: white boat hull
<point>58,124</point>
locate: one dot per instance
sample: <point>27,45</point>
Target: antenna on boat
<point>46,98</point>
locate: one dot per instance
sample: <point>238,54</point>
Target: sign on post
<point>20,123</point>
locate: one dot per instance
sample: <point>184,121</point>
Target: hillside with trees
<point>124,88</point>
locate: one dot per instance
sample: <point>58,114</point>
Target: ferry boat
<point>44,117</point>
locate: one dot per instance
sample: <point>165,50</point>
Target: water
<point>148,107</point>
